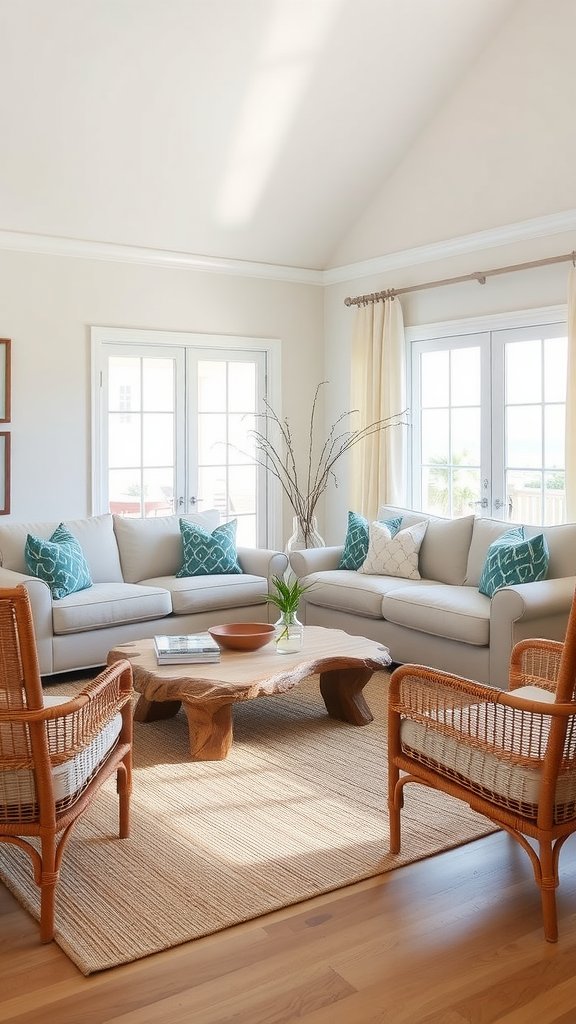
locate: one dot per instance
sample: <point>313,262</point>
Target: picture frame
<point>5,439</point>
<point>5,388</point>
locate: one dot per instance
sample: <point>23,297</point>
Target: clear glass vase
<point>289,634</point>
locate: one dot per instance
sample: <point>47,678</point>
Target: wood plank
<point>454,939</point>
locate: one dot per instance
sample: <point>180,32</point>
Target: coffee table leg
<point>210,728</point>
<point>155,710</point>
<point>343,697</point>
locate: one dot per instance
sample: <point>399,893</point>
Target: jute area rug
<point>297,809</point>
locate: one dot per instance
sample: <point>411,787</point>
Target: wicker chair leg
<point>123,788</point>
<point>48,882</point>
<point>548,883</point>
<point>395,801</point>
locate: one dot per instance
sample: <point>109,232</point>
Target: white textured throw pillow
<point>394,556</point>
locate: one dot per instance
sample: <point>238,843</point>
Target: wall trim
<point>52,245</point>
<point>538,227</point>
<point>488,322</point>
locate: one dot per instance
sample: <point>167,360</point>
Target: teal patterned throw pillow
<point>512,559</point>
<point>357,536</point>
<point>208,554</point>
<point>59,562</point>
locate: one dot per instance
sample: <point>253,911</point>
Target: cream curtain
<point>571,402</point>
<point>378,390</point>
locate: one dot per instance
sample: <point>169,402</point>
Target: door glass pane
<point>450,430</point>
<point>227,476</point>
<point>523,436</point>
<point>141,422</point>
<point>435,379</point>
<point>523,372</point>
<point>465,376</point>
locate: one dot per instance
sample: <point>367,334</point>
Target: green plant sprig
<point>288,596</point>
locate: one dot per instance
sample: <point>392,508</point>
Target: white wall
<point>49,303</point>
<point>501,149</point>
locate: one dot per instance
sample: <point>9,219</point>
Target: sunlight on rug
<point>297,809</point>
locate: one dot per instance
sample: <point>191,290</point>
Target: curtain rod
<point>480,276</point>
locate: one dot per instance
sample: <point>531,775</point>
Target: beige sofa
<point>135,592</point>
<point>442,619</point>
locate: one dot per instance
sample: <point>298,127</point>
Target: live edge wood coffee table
<point>208,692</point>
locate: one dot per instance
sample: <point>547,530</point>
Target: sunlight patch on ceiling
<point>295,35</point>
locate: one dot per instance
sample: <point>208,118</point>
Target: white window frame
<point>435,333</point>
<point>103,337</point>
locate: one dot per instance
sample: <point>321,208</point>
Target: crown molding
<point>522,231</point>
<point>52,245</point>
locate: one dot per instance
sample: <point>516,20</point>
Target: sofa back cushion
<point>95,535</point>
<point>561,542</point>
<point>444,552</point>
<point>152,547</point>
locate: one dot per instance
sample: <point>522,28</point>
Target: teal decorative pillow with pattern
<point>208,554</point>
<point>59,562</point>
<point>357,537</point>
<point>514,558</point>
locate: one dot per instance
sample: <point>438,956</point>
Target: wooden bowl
<point>243,636</point>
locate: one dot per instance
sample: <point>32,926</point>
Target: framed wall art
<point>4,472</point>
<point>5,380</point>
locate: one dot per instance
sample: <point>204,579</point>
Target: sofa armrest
<point>538,609</point>
<point>41,604</point>
<point>315,560</point>
<point>262,562</point>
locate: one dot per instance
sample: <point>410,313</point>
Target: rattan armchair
<point>55,752</point>
<point>510,755</point>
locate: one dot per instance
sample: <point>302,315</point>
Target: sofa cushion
<point>357,538</point>
<point>109,604</point>
<point>513,559</point>
<point>208,554</point>
<point>455,613</point>
<point>94,534</point>
<point>484,533</point>
<point>394,556</point>
<point>354,592</point>
<point>444,552</point>
<point>153,547</point>
<point>210,593</point>
<point>59,562</point>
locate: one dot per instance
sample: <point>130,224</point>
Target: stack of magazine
<point>193,649</point>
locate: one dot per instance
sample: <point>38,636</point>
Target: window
<point>171,427</point>
<point>488,421</point>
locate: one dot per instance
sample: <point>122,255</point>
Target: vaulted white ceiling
<point>256,130</point>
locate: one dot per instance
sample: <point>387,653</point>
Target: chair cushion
<point>394,556</point>
<point>208,554</point>
<point>18,788</point>
<point>59,562</point>
<point>357,537</point>
<point>109,604</point>
<point>491,770</point>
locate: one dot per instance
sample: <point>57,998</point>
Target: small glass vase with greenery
<point>289,630</point>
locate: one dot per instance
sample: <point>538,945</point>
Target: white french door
<point>488,417</point>
<point>172,427</point>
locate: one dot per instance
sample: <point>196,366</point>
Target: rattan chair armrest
<point>76,722</point>
<point>535,662</point>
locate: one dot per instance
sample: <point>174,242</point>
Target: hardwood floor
<point>455,939</point>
